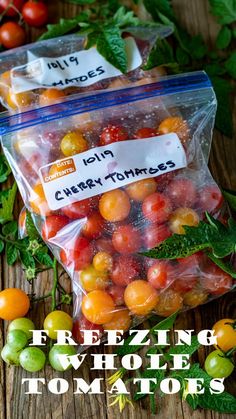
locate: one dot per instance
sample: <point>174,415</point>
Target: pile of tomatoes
<point>99,239</point>
<point>17,12</point>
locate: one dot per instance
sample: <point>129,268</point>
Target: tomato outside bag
<point>110,174</point>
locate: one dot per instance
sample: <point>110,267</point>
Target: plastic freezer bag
<point>44,73</point>
<point>114,174</point>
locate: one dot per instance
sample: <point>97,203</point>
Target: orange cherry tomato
<point>121,320</point>
<point>140,297</point>
<point>169,302</point>
<point>98,307</point>
<point>14,303</point>
<point>225,331</point>
<point>183,217</point>
<point>51,96</point>
<point>73,143</point>
<point>195,297</point>
<point>38,202</point>
<point>175,124</point>
<point>139,190</point>
<point>92,279</point>
<point>103,261</point>
<point>114,205</point>
<point>19,100</point>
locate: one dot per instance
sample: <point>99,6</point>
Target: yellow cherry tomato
<point>73,143</point>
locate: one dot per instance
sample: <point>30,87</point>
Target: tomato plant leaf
<point>161,54</point>
<point>10,228</point>
<point>27,259</point>
<point>111,46</point>
<point>30,227</point>
<point>184,349</point>
<point>44,258</point>
<point>7,204</point>
<point>64,26</point>
<point>230,197</point>
<point>157,7</point>
<point>4,169</point>
<point>11,253</point>
<point>224,10</point>
<point>224,37</point>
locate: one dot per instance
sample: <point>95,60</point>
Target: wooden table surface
<point>14,404</point>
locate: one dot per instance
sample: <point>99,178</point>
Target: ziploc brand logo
<point>58,170</point>
<point>104,168</point>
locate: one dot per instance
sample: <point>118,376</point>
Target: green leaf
<point>111,46</point>
<point>222,403</point>
<point>81,2</point>
<point>224,10</point>
<point>181,56</point>
<point>11,252</point>
<point>192,400</point>
<point>27,259</point>
<point>184,349</point>
<point>124,18</point>
<point>230,65</point>
<point>214,69</point>
<point>165,324</point>
<point>157,7</point>
<point>197,47</point>
<point>64,26</point>
<point>4,169</point>
<point>161,54</point>
<point>1,245</point>
<point>30,227</point>
<point>223,38</point>
<point>230,198</point>
<point>7,204</point>
<point>224,122</point>
<point>44,258</point>
<point>10,228</point>
<point>225,266</point>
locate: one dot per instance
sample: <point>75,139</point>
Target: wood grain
<point>14,403</point>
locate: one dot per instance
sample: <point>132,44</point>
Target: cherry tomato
<point>145,132</point>
<point>182,193</point>
<point>19,100</point>
<point>77,254</point>
<point>92,229</point>
<point>91,279</point>
<point>157,208</point>
<point>103,262</point>
<point>139,190</point>
<point>114,205</point>
<point>164,180</point>
<point>78,209</point>
<point>185,283</point>
<point>112,134</point>
<point>38,202</point>
<point>169,302</point>
<point>126,239</point>
<point>121,320</point>
<point>98,307</point>
<point>225,331</point>
<point>73,143</point>
<point>125,270</point>
<point>140,297</point>
<point>12,35</point>
<point>160,274</point>
<point>210,198</point>
<point>83,324</point>
<point>52,225</point>
<point>217,365</point>
<point>190,263</point>
<point>57,320</point>
<point>216,281</point>
<point>104,244</point>
<point>11,11</point>
<point>183,217</point>
<point>175,124</point>
<point>117,294</point>
<point>155,234</point>
<point>35,13</point>
<point>195,297</point>
<point>50,97</point>
<point>14,303</point>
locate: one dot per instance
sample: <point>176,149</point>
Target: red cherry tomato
<point>125,270</point>
<point>12,35</point>
<point>93,226</point>
<point>104,244</point>
<point>160,274</point>
<point>210,198</point>
<point>157,208</point>
<point>192,262</point>
<point>35,13</point>
<point>83,324</point>
<point>112,134</point>
<point>126,239</point>
<point>216,281</point>
<point>78,254</point>
<point>52,225</point>
<point>11,11</point>
<point>145,132</point>
<point>155,234</point>
<point>182,193</point>
<point>78,209</point>
<point>185,283</point>
<point>117,293</point>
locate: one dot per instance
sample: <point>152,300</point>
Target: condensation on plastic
<point>59,47</point>
<point>32,140</point>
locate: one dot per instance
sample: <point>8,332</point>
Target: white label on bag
<point>82,68</point>
<point>102,169</point>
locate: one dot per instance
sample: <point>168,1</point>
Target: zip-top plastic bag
<point>115,173</point>
<point>46,72</point>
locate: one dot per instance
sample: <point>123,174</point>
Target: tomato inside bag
<point>111,174</point>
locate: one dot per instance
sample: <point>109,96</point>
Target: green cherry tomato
<point>60,350</point>
<point>57,320</point>
<point>17,339</point>
<point>217,365</point>
<point>24,324</point>
<point>10,356</point>
<point>32,359</point>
